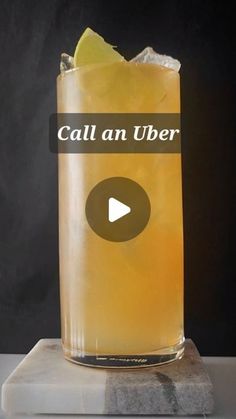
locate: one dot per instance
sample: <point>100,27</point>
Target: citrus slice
<point>92,49</point>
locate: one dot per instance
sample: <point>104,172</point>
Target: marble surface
<point>46,383</point>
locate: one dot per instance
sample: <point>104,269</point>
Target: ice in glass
<point>121,303</point>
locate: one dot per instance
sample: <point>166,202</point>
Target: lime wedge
<point>92,49</point>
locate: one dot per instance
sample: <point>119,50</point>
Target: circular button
<point>117,209</point>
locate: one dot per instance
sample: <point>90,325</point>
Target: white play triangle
<point>117,210</point>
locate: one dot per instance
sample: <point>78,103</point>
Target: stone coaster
<point>44,382</point>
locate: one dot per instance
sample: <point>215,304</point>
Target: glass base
<point>159,357</point>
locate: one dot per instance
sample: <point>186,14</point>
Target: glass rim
<point>97,65</point>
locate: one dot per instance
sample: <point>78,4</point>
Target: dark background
<point>32,36</point>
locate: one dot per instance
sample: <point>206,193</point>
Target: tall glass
<point>121,303</point>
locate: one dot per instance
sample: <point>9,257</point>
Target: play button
<point>117,209</point>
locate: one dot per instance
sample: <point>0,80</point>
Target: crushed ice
<point>66,63</point>
<point>148,55</point>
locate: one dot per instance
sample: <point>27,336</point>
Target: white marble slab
<point>44,382</point>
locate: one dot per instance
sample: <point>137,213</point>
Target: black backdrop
<point>32,36</point>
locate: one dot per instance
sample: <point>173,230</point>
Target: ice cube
<point>148,55</point>
<point>67,62</point>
